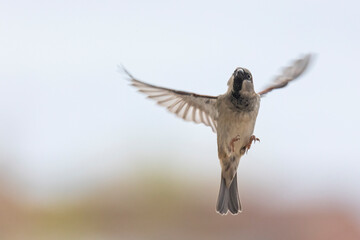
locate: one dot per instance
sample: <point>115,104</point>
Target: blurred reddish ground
<point>155,211</point>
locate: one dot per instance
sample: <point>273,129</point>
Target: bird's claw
<point>251,140</point>
<point>232,147</point>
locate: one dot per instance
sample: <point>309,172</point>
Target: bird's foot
<point>232,147</point>
<point>251,140</point>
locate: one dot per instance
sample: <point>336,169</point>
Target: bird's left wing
<point>186,105</point>
<point>289,73</point>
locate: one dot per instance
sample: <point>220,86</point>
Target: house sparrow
<point>231,115</point>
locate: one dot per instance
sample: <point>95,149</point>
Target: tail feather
<point>223,198</point>
<point>228,199</point>
<point>234,201</point>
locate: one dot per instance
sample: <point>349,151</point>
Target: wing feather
<point>186,105</point>
<point>289,74</point>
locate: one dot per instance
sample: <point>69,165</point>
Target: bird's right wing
<point>186,105</point>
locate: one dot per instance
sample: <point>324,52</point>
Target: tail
<point>228,199</point>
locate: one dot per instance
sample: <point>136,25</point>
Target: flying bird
<point>231,115</point>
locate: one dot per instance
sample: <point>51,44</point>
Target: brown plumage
<point>231,115</point>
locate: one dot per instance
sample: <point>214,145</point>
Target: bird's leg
<point>251,140</point>
<point>237,138</point>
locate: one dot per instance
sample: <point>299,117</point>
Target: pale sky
<point>69,119</point>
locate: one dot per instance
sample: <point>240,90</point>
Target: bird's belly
<point>240,126</point>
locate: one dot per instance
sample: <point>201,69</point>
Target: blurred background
<point>84,156</point>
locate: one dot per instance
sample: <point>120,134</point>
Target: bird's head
<point>241,81</point>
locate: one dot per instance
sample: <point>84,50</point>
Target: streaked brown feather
<point>289,74</point>
<point>186,105</point>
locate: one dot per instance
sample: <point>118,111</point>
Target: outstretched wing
<point>188,106</point>
<point>289,73</point>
